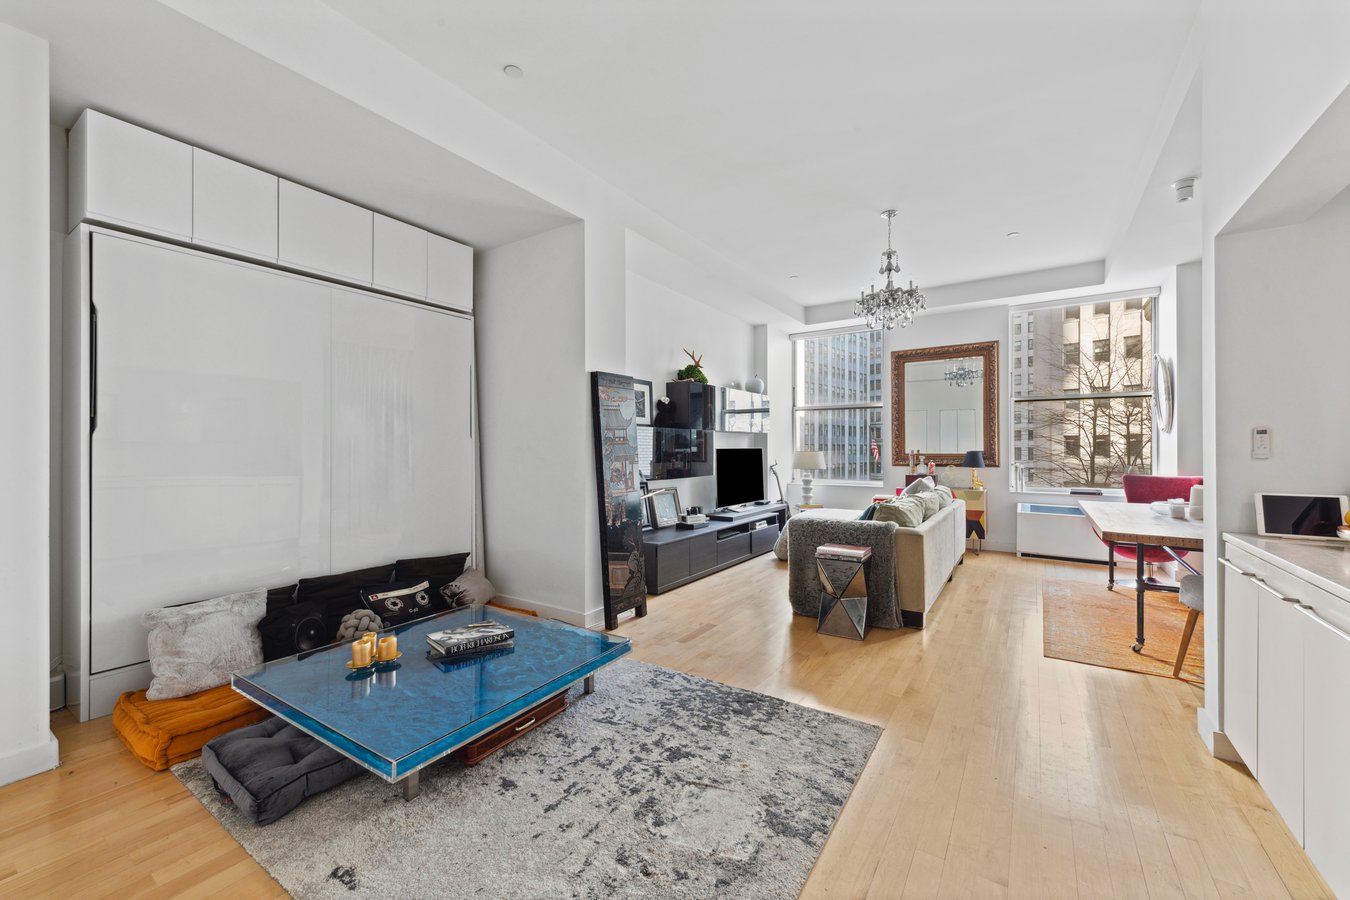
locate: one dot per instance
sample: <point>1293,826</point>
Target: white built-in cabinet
<point>234,206</point>
<point>128,177</point>
<point>323,234</point>
<point>1286,690</point>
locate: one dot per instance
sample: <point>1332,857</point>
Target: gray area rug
<point>659,784</point>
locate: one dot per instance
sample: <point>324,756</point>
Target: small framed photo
<point>642,395</point>
<point>665,507</point>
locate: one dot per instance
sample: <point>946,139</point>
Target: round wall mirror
<point>1163,408</point>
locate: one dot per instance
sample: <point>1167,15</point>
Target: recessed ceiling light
<point>513,71</point>
<point>1014,234</point>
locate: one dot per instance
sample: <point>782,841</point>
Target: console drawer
<point>763,539</point>
<point>732,548</point>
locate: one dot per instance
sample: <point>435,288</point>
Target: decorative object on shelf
<point>618,496</point>
<point>807,461</point>
<point>962,375</point>
<point>946,433</point>
<point>974,460</point>
<point>891,305</point>
<point>755,385</point>
<point>643,401</point>
<point>1163,407</point>
<point>693,371</point>
<point>665,507</point>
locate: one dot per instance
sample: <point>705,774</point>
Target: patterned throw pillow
<point>906,512</point>
<point>196,646</point>
<point>919,486</point>
<point>470,588</point>
<point>399,601</point>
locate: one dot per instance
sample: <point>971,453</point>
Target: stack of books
<point>471,640</point>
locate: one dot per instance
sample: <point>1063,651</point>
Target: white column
<point>26,742</point>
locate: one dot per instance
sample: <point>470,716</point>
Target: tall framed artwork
<point>619,495</point>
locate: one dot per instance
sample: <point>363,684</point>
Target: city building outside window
<point>1102,355</point>
<point>837,393</point>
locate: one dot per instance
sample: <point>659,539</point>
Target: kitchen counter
<point>1321,563</point>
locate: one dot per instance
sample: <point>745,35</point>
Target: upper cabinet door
<point>124,175</point>
<point>234,206</point>
<point>400,257</point>
<point>323,234</point>
<point>449,273</point>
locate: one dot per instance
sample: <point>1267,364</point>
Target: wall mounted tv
<point>740,475</point>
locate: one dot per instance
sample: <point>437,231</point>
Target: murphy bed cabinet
<point>1286,664</point>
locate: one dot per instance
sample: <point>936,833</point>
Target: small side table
<point>843,571</point>
<point>976,510</point>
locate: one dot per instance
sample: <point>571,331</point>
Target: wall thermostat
<point>1260,442</point>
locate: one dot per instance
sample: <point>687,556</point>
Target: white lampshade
<point>808,460</point>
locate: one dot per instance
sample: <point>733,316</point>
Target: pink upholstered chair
<point>1148,489</point>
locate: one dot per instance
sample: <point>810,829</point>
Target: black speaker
<point>294,629</point>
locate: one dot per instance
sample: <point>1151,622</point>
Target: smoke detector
<point>1185,189</point>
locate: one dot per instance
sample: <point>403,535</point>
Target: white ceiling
<point>145,63</point>
<point>776,132</point>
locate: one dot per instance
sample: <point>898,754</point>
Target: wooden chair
<point>1193,595</point>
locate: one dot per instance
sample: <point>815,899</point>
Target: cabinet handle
<point>523,725</point>
<point>1313,613</point>
<point>1270,590</point>
<point>1224,561</point>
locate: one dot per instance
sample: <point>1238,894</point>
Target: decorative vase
<point>755,385</point>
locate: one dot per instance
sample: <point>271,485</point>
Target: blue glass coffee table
<point>397,721</point>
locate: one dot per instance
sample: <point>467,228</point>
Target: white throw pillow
<point>944,495</point>
<point>906,512</point>
<point>198,646</point>
<point>931,504</point>
<point>918,486</point>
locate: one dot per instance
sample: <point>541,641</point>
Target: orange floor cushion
<point>161,733</point>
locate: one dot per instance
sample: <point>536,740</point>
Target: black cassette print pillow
<point>399,601</point>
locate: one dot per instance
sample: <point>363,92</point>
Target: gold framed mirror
<point>944,401</point>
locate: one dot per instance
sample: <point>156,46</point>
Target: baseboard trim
<point>28,761</point>
<point>549,611</point>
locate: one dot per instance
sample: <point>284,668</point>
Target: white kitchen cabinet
<point>121,174</point>
<point>1326,747</point>
<point>1240,662</point>
<point>1279,726</point>
<point>323,234</point>
<point>400,257</point>
<point>234,206</point>
<point>449,273</point>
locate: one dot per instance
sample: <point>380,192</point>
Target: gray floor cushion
<point>268,768</point>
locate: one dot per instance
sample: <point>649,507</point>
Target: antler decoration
<point>698,360</point>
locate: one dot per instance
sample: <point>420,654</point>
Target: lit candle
<point>388,647</point>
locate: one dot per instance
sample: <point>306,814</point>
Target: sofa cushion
<point>470,588</point>
<point>944,494</point>
<point>907,512</point>
<point>340,593</point>
<point>198,645</point>
<point>161,733</point>
<point>267,769</point>
<point>400,601</point>
<point>931,503</point>
<point>918,486</point>
<point>439,570</point>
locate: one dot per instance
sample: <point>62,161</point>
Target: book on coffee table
<point>476,637</point>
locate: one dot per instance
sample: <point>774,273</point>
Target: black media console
<point>676,556</point>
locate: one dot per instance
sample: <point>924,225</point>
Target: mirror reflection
<point>944,405</point>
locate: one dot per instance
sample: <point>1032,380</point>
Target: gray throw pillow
<point>471,588</point>
<point>198,646</point>
<point>904,511</point>
<point>944,495</point>
<point>918,486</point>
<point>931,504</point>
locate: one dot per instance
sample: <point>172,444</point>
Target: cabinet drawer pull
<point>523,725</point>
<point>1270,590</point>
<point>1225,561</point>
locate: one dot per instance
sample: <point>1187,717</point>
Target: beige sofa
<point>921,561</point>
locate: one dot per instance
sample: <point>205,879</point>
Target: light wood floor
<point>999,773</point>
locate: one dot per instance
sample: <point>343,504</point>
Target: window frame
<point>811,407</point>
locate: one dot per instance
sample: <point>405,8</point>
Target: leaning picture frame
<point>665,510</point>
<point>642,398</point>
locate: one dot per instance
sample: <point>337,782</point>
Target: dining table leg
<point>1138,646</point>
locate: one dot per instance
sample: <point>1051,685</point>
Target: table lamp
<point>807,461</point>
<point>974,460</point>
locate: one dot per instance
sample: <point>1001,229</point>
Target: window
<point>837,391</point>
<point>1017,363</point>
<point>1093,440</point>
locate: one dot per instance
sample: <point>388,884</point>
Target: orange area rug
<point>1086,623</point>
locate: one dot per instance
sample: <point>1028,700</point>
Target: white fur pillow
<point>199,645</point>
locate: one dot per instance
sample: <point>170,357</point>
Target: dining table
<point>1145,525</point>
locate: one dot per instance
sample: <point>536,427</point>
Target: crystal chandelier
<point>962,375</point>
<point>891,305</point>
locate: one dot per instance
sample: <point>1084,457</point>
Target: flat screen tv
<point>740,475</point>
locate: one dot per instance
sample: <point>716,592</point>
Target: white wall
<point>661,324</point>
<point>1269,71</point>
<point>538,469</point>
<point>26,742</point>
<point>1190,367</point>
